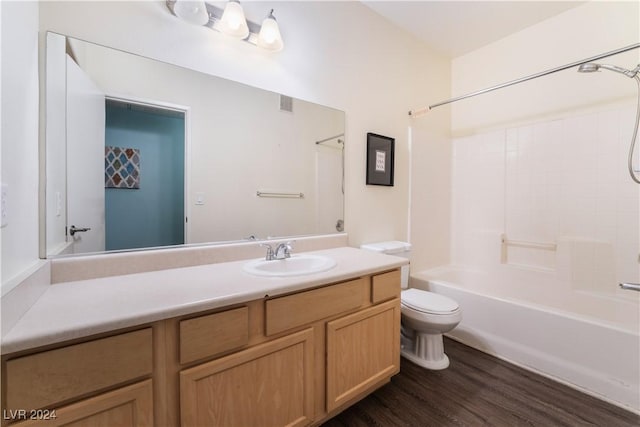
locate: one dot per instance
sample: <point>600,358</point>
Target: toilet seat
<point>428,302</point>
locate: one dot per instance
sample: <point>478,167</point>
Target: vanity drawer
<point>44,379</point>
<point>212,334</point>
<point>385,286</point>
<point>300,309</point>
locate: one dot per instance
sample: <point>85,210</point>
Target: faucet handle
<point>288,246</point>
<point>270,252</point>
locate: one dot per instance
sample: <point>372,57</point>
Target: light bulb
<point>233,22</point>
<point>194,12</point>
<point>269,37</point>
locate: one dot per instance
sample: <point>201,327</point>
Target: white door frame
<point>186,110</point>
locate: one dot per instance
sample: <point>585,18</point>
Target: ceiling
<point>454,28</point>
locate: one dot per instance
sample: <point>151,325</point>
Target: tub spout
<point>630,286</point>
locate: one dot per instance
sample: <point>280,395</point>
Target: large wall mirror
<point>141,153</point>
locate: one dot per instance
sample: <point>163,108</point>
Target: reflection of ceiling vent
<point>286,103</point>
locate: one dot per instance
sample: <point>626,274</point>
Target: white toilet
<point>425,315</point>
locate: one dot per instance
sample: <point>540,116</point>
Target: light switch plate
<point>199,199</point>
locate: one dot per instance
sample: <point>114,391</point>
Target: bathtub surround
<point>531,184</point>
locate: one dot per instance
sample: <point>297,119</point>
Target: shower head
<point>591,67</point>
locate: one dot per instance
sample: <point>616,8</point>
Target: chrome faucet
<point>283,250</point>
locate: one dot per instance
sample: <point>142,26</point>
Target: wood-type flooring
<point>478,390</point>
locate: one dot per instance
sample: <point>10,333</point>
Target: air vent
<point>286,103</point>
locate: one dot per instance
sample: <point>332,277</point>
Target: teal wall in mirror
<point>159,139</point>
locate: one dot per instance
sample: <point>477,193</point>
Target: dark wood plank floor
<point>478,390</point>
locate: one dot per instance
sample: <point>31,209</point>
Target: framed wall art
<point>121,167</point>
<point>380,151</point>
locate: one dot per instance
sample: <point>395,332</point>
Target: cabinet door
<point>363,350</point>
<point>125,407</point>
<point>267,385</point>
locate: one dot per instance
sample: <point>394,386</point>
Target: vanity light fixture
<point>194,12</point>
<point>233,23</point>
<point>269,37</point>
<point>230,21</point>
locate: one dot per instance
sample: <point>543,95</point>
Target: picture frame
<point>380,159</point>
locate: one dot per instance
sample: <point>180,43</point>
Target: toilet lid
<point>428,302</point>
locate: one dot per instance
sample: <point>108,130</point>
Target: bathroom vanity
<point>251,351</point>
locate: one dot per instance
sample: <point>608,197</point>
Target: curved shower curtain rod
<point>422,111</point>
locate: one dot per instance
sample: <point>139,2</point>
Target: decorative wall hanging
<point>121,167</point>
<point>380,151</point>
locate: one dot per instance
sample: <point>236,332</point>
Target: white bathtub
<point>587,340</point>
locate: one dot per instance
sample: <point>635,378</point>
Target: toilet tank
<point>396,248</point>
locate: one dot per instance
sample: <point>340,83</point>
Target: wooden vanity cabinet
<point>294,360</point>
<point>358,323</point>
<point>363,350</point>
<point>109,379</point>
<point>270,384</point>
<point>127,406</point>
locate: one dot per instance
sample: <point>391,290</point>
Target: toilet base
<point>427,351</point>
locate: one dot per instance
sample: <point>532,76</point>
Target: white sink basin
<point>297,265</point>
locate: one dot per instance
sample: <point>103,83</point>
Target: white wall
<point>19,137</point>
<point>430,191</point>
<point>582,32</point>
<point>339,54</point>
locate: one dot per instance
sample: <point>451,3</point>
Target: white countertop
<point>78,309</point>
